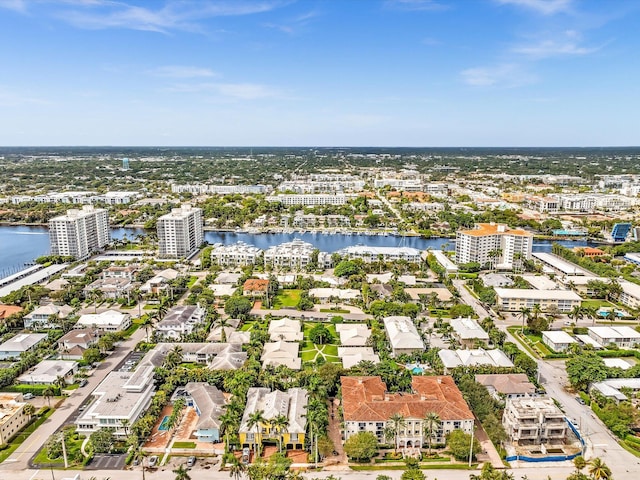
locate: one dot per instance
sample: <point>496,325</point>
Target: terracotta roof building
<point>368,406</point>
<point>8,310</point>
<point>495,244</point>
<point>255,287</point>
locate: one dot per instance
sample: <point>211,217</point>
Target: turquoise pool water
<point>164,424</point>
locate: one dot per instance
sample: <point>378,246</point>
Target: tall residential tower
<point>494,244</point>
<point>79,233</point>
<point>180,232</point>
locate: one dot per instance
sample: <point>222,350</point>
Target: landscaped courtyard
<point>311,352</point>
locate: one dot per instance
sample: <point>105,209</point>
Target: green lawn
<point>287,299</point>
<point>73,451</point>
<point>310,352</point>
<point>192,280</point>
<point>23,435</point>
<point>184,445</point>
<point>595,303</point>
<point>333,310</point>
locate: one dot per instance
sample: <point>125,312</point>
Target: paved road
<point>469,299</point>
<point>538,472</point>
<point>20,458</point>
<point>599,441</point>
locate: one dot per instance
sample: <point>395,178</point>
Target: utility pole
<point>64,451</point>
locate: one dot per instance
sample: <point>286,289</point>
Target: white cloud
<point>182,71</point>
<point>15,5</point>
<point>171,15</point>
<point>545,7</point>
<point>552,48</point>
<point>504,75</point>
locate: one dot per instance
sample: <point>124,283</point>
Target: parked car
<point>191,461</point>
<point>136,462</point>
<point>27,396</point>
<point>153,461</point>
<point>83,382</point>
<point>580,400</point>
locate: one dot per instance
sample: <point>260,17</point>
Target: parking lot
<point>130,361</point>
<point>107,462</point>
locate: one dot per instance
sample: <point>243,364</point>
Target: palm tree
<point>227,421</point>
<point>430,424</point>
<point>124,423</point>
<point>576,313</point>
<point>256,420</point>
<point>280,424</point>
<point>182,473</point>
<point>29,410</point>
<point>48,393</point>
<point>599,470</point>
<point>237,469</point>
<point>524,314</point>
<point>397,423</point>
<point>222,323</point>
<point>147,323</point>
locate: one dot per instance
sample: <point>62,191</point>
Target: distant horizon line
<point>327,146</point>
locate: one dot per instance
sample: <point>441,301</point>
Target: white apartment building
<point>79,233</point>
<point>373,254</point>
<point>309,199</point>
<point>180,232</point>
<point>406,184</point>
<point>513,299</point>
<point>322,186</point>
<point>621,336</point>
<point>294,254</point>
<point>12,415</point>
<point>120,396</point>
<point>495,244</point>
<point>239,253</point>
<point>198,189</point>
<point>534,421</point>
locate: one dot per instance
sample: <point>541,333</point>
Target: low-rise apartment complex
<point>368,407</point>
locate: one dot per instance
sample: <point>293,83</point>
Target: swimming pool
<point>164,425</point>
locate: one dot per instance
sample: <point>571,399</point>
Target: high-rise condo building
<point>79,233</point>
<point>494,244</point>
<point>180,232</point>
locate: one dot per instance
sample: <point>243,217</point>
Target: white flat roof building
<point>294,254</point>
<point>372,254</point>
<point>493,243</point>
<point>622,336</point>
<point>180,233</point>
<point>239,253</point>
<point>309,199</point>
<point>630,295</point>
<point>120,396</point>
<point>79,233</point>
<point>560,265</point>
<point>285,329</point>
<point>107,321</point>
<point>513,299</point>
<point>557,340</point>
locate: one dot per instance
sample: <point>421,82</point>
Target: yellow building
<point>12,416</point>
<point>290,404</point>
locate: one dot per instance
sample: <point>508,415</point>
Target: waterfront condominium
<point>180,232</point>
<point>79,233</point>
<point>494,244</point>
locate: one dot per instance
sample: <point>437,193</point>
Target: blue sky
<point>320,72</point>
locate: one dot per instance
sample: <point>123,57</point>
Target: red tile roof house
<point>368,406</point>
<point>255,287</point>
